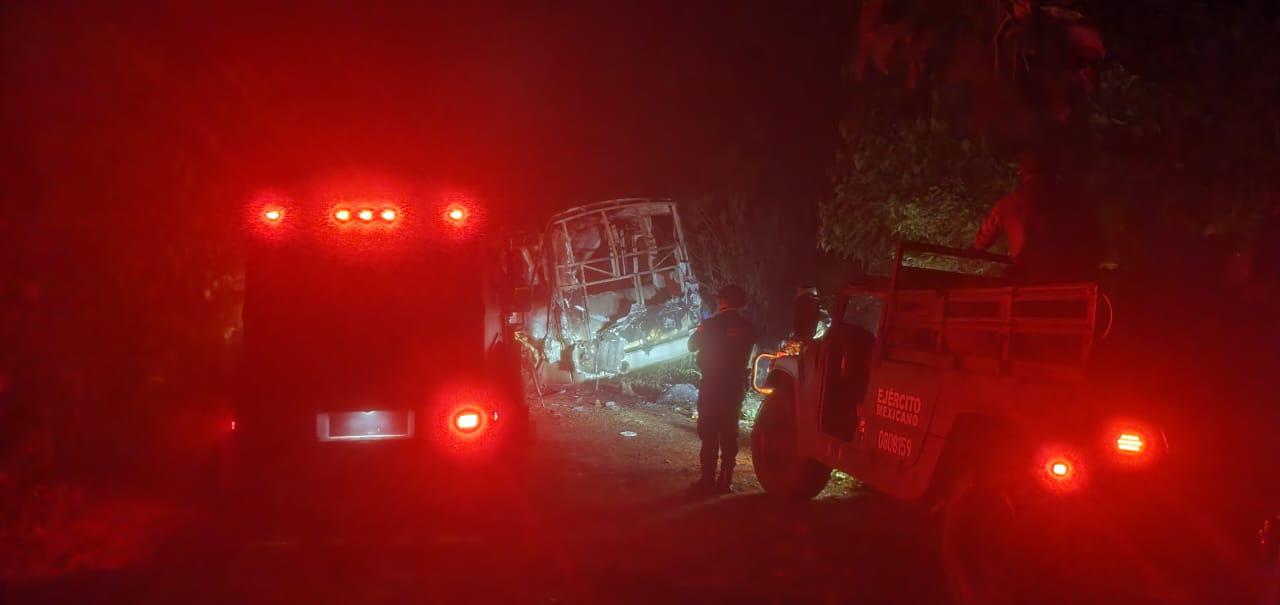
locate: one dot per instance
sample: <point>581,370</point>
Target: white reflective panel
<point>364,425</point>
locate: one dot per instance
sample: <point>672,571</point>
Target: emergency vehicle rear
<point>376,344</point>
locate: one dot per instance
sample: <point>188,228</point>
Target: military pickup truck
<point>987,403</point>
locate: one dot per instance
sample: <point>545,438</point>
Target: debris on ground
<point>611,405</point>
<point>679,393</point>
<point>628,434</point>
<point>650,382</point>
<point>842,482</point>
<point>751,407</point>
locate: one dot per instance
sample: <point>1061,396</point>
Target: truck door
<point>845,364</point>
<point>899,403</point>
<point>905,379</point>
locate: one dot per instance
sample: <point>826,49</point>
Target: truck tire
<point>781,469</point>
<point>981,538</point>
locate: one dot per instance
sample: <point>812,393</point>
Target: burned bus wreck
<point>612,291</point>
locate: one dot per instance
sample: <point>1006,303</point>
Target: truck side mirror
<point>805,317</point>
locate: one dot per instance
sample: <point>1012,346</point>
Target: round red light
<point>467,421</point>
<point>273,215</point>
<point>456,214</point>
<point>342,215</point>
<point>388,214</point>
<point>1060,468</point>
<point>365,214</point>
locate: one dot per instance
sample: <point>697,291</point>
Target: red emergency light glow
<point>1061,470</point>
<point>1130,443</point>
<point>388,214</point>
<point>365,214</point>
<point>342,215</point>
<point>467,421</point>
<point>456,214</point>
<point>269,217</point>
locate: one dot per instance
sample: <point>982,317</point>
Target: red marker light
<point>342,215</point>
<point>1131,443</point>
<point>1062,470</point>
<point>388,214</point>
<point>273,215</point>
<point>365,214</point>
<point>233,425</point>
<point>467,421</point>
<point>456,214</point>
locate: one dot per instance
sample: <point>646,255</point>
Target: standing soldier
<point>1051,230</point>
<point>723,343</point>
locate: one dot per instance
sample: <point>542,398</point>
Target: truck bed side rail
<point>1041,331</point>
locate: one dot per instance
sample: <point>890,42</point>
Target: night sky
<point>537,105</point>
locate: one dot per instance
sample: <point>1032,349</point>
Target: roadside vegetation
<point>1160,114</point>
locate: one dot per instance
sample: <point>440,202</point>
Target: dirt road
<point>605,519</point>
<point>602,517</point>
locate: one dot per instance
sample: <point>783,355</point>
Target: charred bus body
<point>374,341</point>
<point>614,290</point>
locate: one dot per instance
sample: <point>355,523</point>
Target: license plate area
<point>368,425</point>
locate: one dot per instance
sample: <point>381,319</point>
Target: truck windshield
<point>325,321</point>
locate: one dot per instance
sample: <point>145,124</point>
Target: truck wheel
<point>980,542</point>
<point>775,453</point>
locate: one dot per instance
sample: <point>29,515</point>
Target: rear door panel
<point>899,405</point>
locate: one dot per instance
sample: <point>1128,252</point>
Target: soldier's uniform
<point>1051,231</point>
<point>723,343</point>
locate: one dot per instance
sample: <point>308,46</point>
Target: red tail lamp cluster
<point>1131,443</point>
<point>467,421</point>
<point>365,215</point>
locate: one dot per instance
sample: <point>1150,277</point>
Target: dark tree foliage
<point>1170,127</point>
<point>751,245</point>
<point>902,176</point>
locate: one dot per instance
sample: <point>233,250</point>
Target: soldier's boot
<point>724,484</point>
<point>705,484</point>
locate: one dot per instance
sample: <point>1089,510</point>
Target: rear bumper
<point>290,451</point>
